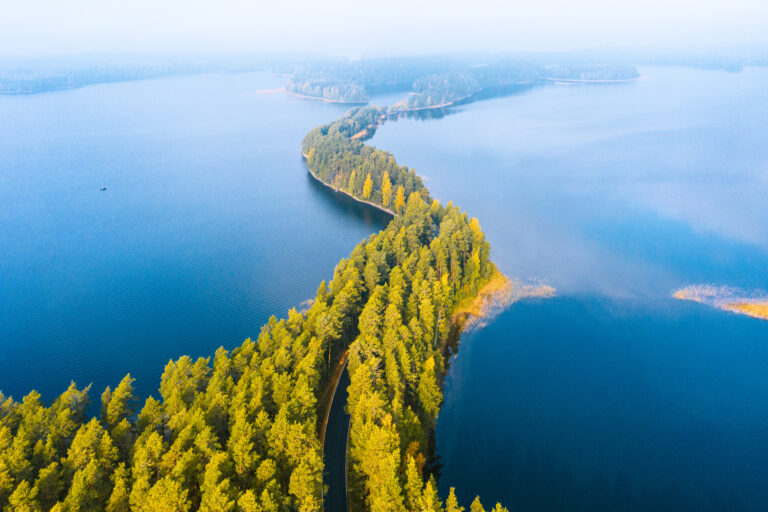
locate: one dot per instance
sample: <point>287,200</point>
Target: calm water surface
<point>612,396</point>
<point>209,225</point>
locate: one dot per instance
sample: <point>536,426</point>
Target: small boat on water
<point>103,188</point>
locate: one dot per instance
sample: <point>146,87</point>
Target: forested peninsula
<point>238,431</point>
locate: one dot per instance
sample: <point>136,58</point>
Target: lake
<point>612,396</point>
<point>210,224</point>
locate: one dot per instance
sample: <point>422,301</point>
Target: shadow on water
<point>348,207</point>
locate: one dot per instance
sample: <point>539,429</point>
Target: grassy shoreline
<point>753,309</point>
<point>735,300</point>
<point>498,293</point>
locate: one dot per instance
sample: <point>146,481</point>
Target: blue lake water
<point>612,396</point>
<point>209,225</point>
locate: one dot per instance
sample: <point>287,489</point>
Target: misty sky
<point>366,28</point>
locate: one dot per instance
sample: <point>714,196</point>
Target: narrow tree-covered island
<point>239,431</point>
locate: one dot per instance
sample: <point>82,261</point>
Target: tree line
<point>238,432</point>
<point>361,170</point>
<point>233,433</point>
<point>336,90</point>
<point>414,273</point>
<point>438,81</point>
<point>615,72</point>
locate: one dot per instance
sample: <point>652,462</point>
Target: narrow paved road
<point>335,449</point>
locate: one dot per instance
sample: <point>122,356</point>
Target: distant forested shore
<point>430,81</point>
<point>46,75</point>
<point>441,82</point>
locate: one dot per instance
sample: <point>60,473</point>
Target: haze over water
<point>627,189</point>
<point>612,396</point>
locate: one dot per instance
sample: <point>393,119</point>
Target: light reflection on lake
<point>613,396</point>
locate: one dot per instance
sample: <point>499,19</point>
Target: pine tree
<point>430,501</point>
<point>429,392</point>
<point>413,485</point>
<point>23,499</point>
<point>386,189</point>
<point>241,446</point>
<point>167,495</point>
<point>49,485</point>
<point>118,405</point>
<point>452,504</point>
<point>306,483</point>
<point>119,500</point>
<point>380,465</point>
<point>476,506</point>
<point>247,502</point>
<point>217,492</point>
<point>400,199</point>
<point>367,187</point>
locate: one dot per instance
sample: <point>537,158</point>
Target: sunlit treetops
<point>360,170</point>
<point>239,431</point>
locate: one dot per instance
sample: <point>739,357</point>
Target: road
<point>335,449</point>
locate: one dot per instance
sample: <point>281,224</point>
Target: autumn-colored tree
<point>218,494</point>
<point>367,187</point>
<point>386,189</point>
<point>452,504</point>
<point>238,431</point>
<point>400,199</point>
<point>430,501</point>
<point>476,506</point>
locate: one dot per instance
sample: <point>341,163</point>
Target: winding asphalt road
<point>335,449</point>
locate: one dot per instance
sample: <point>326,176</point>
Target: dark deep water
<point>209,225</point>
<point>613,396</point>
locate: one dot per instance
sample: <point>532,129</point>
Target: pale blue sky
<point>357,28</point>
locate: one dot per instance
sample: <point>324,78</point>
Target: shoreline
<point>378,207</point>
<point>430,107</point>
<point>751,309</point>
<point>495,296</point>
<point>453,103</point>
<point>589,81</point>
<point>283,90</point>
<point>725,298</point>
